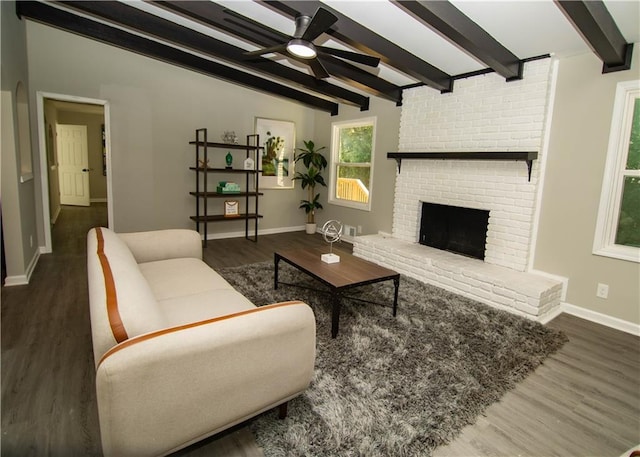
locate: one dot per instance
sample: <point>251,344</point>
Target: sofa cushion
<point>181,277</point>
<point>131,299</point>
<point>203,306</point>
<point>188,290</point>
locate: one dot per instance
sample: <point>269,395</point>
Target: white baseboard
<point>54,218</point>
<point>240,234</point>
<point>98,200</point>
<point>599,318</point>
<point>19,280</point>
<point>23,280</point>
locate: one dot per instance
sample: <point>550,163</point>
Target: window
<point>618,227</point>
<point>352,151</point>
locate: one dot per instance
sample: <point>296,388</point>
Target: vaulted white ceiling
<point>525,29</point>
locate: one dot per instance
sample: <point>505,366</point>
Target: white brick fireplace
<point>483,114</point>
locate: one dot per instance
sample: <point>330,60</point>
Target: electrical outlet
<point>349,230</point>
<point>603,290</point>
<point>359,229</point>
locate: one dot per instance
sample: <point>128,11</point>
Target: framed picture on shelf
<point>231,208</point>
<point>276,164</point>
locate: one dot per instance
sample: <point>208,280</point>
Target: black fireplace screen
<point>454,228</point>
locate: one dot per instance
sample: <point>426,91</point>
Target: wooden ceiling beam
<point>214,15</point>
<point>453,24</point>
<point>150,24</point>
<point>88,28</point>
<point>598,28</point>
<point>350,32</point>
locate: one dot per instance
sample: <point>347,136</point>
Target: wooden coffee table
<point>350,272</point>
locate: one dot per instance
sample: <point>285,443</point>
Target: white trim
<point>542,164</point>
<point>54,218</point>
<point>611,193</point>
<point>44,166</point>
<point>33,263</point>
<point>240,234</point>
<point>98,200</point>
<point>602,319</point>
<point>20,280</point>
<point>331,198</point>
<point>26,177</point>
<point>23,280</point>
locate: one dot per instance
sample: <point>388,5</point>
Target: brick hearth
<point>527,294</point>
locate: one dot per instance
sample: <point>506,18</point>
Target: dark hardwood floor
<point>584,400</point>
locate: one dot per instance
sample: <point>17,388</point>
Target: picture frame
<point>231,208</point>
<point>276,165</point>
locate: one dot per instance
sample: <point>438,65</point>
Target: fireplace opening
<point>454,228</point>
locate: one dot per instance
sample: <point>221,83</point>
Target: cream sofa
<point>180,355</point>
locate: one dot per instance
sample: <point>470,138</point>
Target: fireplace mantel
<point>527,156</point>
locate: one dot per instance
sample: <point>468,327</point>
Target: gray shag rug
<point>394,386</point>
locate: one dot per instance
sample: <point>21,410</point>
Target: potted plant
<point>315,163</point>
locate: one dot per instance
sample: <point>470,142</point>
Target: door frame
<point>44,165</point>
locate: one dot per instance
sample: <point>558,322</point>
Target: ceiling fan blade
<point>318,69</point>
<point>280,48</point>
<point>321,21</point>
<point>353,56</point>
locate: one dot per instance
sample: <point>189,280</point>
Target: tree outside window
<point>352,163</point>
<point>618,228</point>
<point>628,231</point>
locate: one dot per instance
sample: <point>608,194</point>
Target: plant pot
<point>311,228</point>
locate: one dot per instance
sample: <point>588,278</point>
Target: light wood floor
<point>584,400</point>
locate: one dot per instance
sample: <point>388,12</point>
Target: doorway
<point>91,183</point>
<point>72,153</point>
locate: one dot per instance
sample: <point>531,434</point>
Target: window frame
<point>615,172</point>
<point>334,164</point>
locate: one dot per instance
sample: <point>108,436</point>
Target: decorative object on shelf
<point>228,159</point>
<point>249,164</point>
<point>208,189</point>
<point>332,233</point>
<point>315,163</point>
<point>231,208</point>
<point>230,137</point>
<point>228,188</point>
<point>278,153</point>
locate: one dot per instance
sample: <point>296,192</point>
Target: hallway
<point>48,394</point>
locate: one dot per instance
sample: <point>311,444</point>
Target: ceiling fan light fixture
<point>302,49</point>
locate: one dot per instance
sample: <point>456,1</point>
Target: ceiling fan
<point>301,44</point>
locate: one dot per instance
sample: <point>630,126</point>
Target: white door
<point>73,164</point>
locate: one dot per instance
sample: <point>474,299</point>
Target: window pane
<point>628,232</point>
<point>353,184</point>
<point>633,159</point>
<point>355,144</point>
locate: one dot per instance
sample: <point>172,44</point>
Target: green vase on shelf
<point>229,159</point>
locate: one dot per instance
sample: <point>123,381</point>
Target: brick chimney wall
<point>483,113</point>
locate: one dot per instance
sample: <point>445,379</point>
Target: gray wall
<point>380,218</point>
<point>156,107</point>
<point>154,111</point>
<point>18,199</point>
<point>571,195</point>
